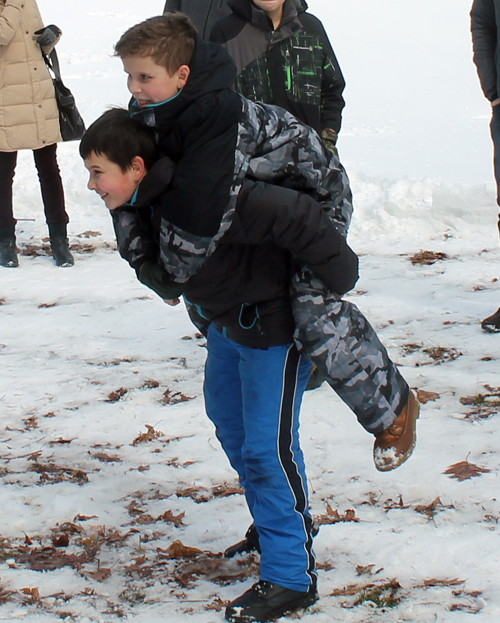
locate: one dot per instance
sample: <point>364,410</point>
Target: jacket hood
<point>248,11</point>
<point>212,69</point>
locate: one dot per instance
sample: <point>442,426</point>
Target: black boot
<point>60,245</point>
<point>251,542</point>
<point>8,251</point>
<point>266,601</point>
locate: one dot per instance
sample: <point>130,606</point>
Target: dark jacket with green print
<point>293,66</point>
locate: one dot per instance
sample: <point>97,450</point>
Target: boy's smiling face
<point>114,186</point>
<point>150,83</point>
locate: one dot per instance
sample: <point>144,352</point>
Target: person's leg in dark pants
<point>492,323</point>
<point>8,255</point>
<point>53,203</point>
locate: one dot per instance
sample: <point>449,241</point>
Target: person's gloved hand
<point>47,36</point>
<point>154,276</point>
<point>329,137</point>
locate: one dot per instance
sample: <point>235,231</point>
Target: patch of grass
<point>382,596</point>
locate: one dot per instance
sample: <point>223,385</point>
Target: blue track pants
<point>253,397</point>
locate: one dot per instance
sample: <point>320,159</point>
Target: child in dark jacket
<point>217,139</point>
<point>283,56</point>
<point>254,376</point>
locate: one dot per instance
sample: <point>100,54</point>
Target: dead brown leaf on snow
<point>432,509</point>
<point>441,354</point>
<point>173,398</point>
<point>169,517</point>
<point>51,473</point>
<point>333,516</point>
<point>106,458</point>
<point>89,234</point>
<point>443,582</point>
<point>465,470</point>
<point>102,574</point>
<point>367,570</point>
<point>391,504</point>
<point>215,568</point>
<point>483,405</point>
<point>61,540</point>
<point>150,435</point>
<point>117,395</point>
<point>217,604</point>
<point>49,558</point>
<point>425,396</point>
<point>200,494</point>
<point>177,550</point>
<point>428,258</point>
<point>150,384</point>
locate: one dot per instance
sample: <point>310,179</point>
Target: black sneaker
<point>8,253</point>
<point>492,323</point>
<point>61,252</point>
<point>251,542</point>
<point>266,601</point>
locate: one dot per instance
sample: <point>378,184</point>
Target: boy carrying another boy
<point>254,374</point>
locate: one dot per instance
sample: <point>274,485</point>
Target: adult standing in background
<point>485,25</point>
<point>203,13</point>
<point>284,57</point>
<point>29,119</point>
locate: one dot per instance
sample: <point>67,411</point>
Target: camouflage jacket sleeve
<point>134,237</point>
<point>285,151</point>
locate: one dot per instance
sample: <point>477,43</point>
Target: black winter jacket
<point>203,13</point>
<point>217,138</point>
<point>293,66</point>
<point>245,284</point>
<point>485,25</point>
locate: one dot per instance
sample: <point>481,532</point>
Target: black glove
<point>154,276</point>
<point>47,36</point>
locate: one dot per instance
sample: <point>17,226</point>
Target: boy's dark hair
<point>120,137</point>
<point>168,39</point>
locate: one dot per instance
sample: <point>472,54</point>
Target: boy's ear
<point>138,168</point>
<point>182,76</point>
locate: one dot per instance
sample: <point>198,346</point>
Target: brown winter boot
<point>492,323</point>
<point>395,444</point>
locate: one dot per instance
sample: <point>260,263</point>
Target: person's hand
<point>172,302</point>
<point>154,276</point>
<point>47,36</point>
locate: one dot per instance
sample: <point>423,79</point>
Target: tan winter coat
<point>29,118</point>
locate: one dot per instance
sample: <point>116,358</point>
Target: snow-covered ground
<point>106,457</point>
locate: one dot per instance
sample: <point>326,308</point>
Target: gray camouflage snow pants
<point>339,340</point>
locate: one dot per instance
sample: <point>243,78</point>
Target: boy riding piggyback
<point>209,237</point>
